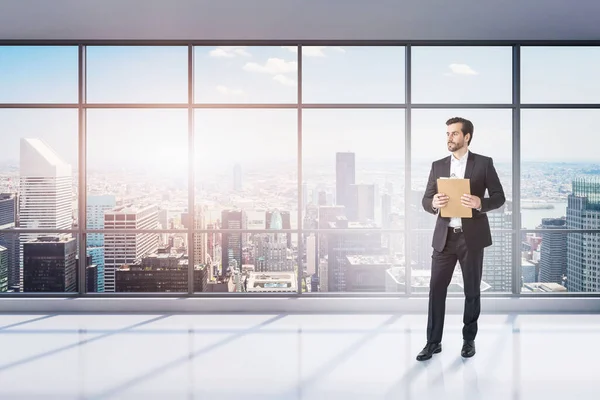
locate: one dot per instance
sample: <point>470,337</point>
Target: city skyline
<point>245,158</point>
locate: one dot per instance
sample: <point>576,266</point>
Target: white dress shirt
<point>457,170</point>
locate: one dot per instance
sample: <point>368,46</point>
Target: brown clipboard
<point>454,188</point>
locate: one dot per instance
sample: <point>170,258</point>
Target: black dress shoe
<point>429,350</point>
<point>468,349</point>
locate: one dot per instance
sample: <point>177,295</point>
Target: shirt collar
<point>462,160</point>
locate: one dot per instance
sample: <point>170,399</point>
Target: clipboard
<point>454,188</point>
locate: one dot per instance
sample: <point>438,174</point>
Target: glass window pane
<point>556,262</point>
<point>353,178</point>
<point>560,74</point>
<point>228,262</point>
<point>137,179</point>
<point>139,263</point>
<point>492,137</point>
<point>240,74</point>
<point>352,74</point>
<point>38,74</point>
<point>246,178</point>
<point>547,170</point>
<point>41,262</point>
<point>148,74</point>
<point>461,75</point>
<point>560,190</point>
<point>38,161</point>
<point>356,262</point>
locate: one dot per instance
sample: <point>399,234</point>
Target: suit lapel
<point>470,164</point>
<point>446,167</point>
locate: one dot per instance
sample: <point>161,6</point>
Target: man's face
<point>455,137</point>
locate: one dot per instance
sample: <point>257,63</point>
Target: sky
<point>331,75</point>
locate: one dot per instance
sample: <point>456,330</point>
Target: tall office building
<point>272,254</point>
<point>386,210</point>
<point>45,191</point>
<point>583,249</point>
<point>304,196</point>
<point>160,273</point>
<point>50,264</point>
<point>280,220</point>
<point>237,178</point>
<point>497,259</point>
<point>127,248</point>
<point>424,224</point>
<point>361,203</point>
<point>97,205</point>
<point>340,245</point>
<point>200,239</point>
<point>322,198</point>
<point>553,255</point>
<point>345,175</point>
<point>8,220</point>
<point>231,242</point>
<point>311,254</point>
<point>3,269</point>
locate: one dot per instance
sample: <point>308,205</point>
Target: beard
<point>455,146</point>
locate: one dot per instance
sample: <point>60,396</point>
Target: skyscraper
<point>497,259</point>
<point>200,239</point>
<point>237,178</point>
<point>583,249</point>
<point>45,190</point>
<point>3,269</point>
<point>343,244</point>
<point>8,219</point>
<point>232,242</point>
<point>97,205</point>
<point>304,196</point>
<point>345,175</point>
<point>386,210</point>
<point>553,256</point>
<point>128,248</point>
<point>424,222</point>
<point>50,264</point>
<point>160,273</point>
<point>361,203</point>
<point>280,220</point>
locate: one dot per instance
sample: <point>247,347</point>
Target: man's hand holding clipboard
<point>454,198</point>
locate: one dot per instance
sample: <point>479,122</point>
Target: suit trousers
<point>442,268</point>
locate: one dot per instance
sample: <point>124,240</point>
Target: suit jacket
<point>482,174</point>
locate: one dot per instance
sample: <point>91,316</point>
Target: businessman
<point>459,239</point>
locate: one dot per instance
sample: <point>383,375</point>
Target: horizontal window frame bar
<point>329,295</point>
<point>293,42</point>
<point>560,230</point>
<point>281,231</point>
<point>17,231</point>
<point>307,106</point>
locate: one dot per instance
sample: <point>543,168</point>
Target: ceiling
<point>297,20</point>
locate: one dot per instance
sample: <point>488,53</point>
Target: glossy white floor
<point>294,357</point>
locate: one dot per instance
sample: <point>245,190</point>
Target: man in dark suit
<point>459,239</point>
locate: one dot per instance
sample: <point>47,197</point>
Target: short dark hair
<point>467,126</point>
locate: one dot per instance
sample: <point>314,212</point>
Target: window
<point>461,75</point>
<point>351,74</point>
<point>38,74</point>
<point>240,74</point>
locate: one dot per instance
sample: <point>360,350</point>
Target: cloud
<point>229,52</point>
<point>461,69</point>
<point>314,51</point>
<point>230,92</point>
<point>284,80</point>
<point>273,66</point>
